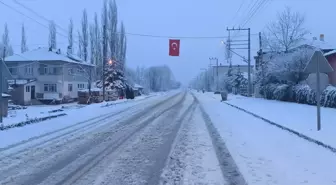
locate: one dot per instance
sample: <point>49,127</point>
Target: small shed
<point>22,91</point>
<point>5,98</point>
<point>138,90</point>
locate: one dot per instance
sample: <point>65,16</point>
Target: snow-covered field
<point>74,116</point>
<point>299,117</point>
<point>38,111</point>
<point>266,154</point>
<point>32,112</point>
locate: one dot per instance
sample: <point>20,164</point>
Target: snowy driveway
<point>163,142</point>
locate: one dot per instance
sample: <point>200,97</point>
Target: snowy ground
<point>161,139</point>
<point>75,118</point>
<point>38,111</point>
<point>266,154</point>
<point>299,117</point>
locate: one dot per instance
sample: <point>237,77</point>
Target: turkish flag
<point>174,47</point>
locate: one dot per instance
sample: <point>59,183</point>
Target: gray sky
<point>173,18</point>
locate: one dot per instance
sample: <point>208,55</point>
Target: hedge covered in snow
<point>299,94</point>
<point>30,121</point>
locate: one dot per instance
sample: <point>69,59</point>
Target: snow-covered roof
<point>18,82</point>
<point>137,86</point>
<point>5,95</point>
<point>43,54</point>
<point>318,44</point>
<point>92,89</point>
<point>330,53</point>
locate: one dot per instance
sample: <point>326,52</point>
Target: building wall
<point>332,75</point>
<point>17,95</point>
<point>52,72</point>
<point>4,112</point>
<point>222,70</point>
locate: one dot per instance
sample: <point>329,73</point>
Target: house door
<point>32,92</point>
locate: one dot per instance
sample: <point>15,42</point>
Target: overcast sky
<point>171,18</point>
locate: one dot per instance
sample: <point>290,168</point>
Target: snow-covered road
<point>161,142</point>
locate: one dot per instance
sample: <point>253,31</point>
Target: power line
<point>236,14</point>
<point>260,5</point>
<point>132,34</point>
<point>183,37</point>
<point>39,15</point>
<point>248,7</point>
<point>10,7</point>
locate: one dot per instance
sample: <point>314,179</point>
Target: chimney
<point>321,37</point>
<point>50,48</point>
<point>58,51</point>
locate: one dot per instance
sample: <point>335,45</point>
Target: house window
<point>48,70</point>
<point>80,86</point>
<point>50,88</point>
<point>71,71</point>
<point>27,88</point>
<point>13,71</point>
<point>28,70</point>
<point>69,87</point>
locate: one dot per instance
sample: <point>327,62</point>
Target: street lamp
<point>110,62</point>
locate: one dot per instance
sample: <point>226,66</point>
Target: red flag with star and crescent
<point>174,47</point>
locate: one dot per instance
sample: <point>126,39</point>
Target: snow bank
<point>264,153</point>
<point>298,117</point>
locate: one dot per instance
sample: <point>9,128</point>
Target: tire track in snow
<point>143,157</point>
<point>113,146</point>
<point>193,158</point>
<point>228,166</point>
<point>11,162</point>
<point>39,160</point>
<point>74,167</point>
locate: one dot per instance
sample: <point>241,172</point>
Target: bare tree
<point>80,45</point>
<point>52,35</point>
<point>5,37</point>
<point>104,20</point>
<point>97,40</point>
<point>70,36</point>
<point>113,22</point>
<point>121,45</point>
<point>92,45</point>
<point>24,47</point>
<point>5,41</point>
<point>286,32</point>
<point>85,35</point>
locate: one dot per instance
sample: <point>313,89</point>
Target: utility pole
<point>260,58</point>
<point>229,48</point>
<point>216,59</point>
<point>249,63</point>
<point>1,82</point>
<point>217,75</point>
<point>104,59</point>
<point>248,52</point>
<point>90,82</point>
